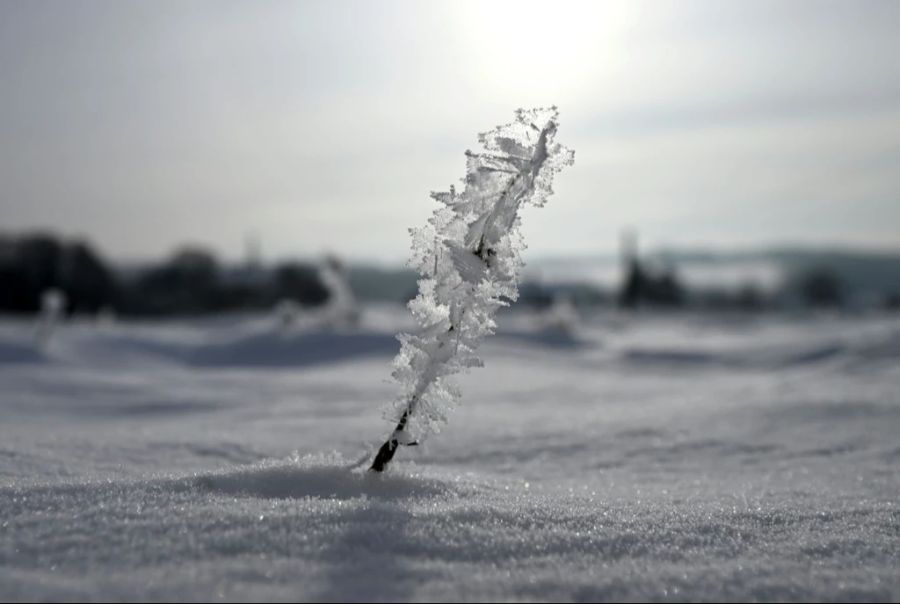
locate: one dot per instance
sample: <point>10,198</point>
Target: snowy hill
<point>645,457</point>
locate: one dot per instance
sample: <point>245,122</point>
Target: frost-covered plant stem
<point>386,452</point>
<point>469,259</point>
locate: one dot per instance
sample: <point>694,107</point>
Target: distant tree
<point>39,257</point>
<point>187,283</point>
<point>193,264</point>
<point>892,302</point>
<point>33,264</point>
<point>645,285</point>
<point>634,286</point>
<point>301,283</point>
<point>821,287</point>
<point>89,284</point>
<point>14,293</point>
<point>750,297</point>
<point>665,289</point>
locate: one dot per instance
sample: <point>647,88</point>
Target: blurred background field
<point>599,455</point>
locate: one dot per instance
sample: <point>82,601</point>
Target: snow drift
<point>143,461</point>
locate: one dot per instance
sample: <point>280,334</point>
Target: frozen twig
<point>468,257</point>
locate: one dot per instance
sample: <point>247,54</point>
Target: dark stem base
<point>385,455</point>
<point>387,450</point>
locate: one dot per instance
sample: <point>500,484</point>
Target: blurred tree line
<point>33,264</point>
<point>192,281</point>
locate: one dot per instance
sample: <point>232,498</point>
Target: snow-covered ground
<point>649,457</point>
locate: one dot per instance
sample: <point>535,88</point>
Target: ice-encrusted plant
<point>468,257</point>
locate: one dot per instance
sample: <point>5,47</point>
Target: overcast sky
<point>322,126</point>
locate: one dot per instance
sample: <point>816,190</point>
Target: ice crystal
<point>468,257</point>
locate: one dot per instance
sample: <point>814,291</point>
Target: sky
<point>313,127</point>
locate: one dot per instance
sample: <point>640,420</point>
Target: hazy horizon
<point>322,126</point>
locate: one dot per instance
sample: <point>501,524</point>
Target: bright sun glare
<point>535,47</point>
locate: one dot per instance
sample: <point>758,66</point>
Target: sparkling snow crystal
<point>468,256</point>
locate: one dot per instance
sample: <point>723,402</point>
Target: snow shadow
<point>257,349</point>
<point>850,352</point>
<point>546,338</point>
<point>317,477</point>
<point>15,352</point>
<point>276,350</point>
<point>362,559</point>
<point>370,550</point>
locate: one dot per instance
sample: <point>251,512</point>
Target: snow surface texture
<point>469,258</point>
<point>640,458</point>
